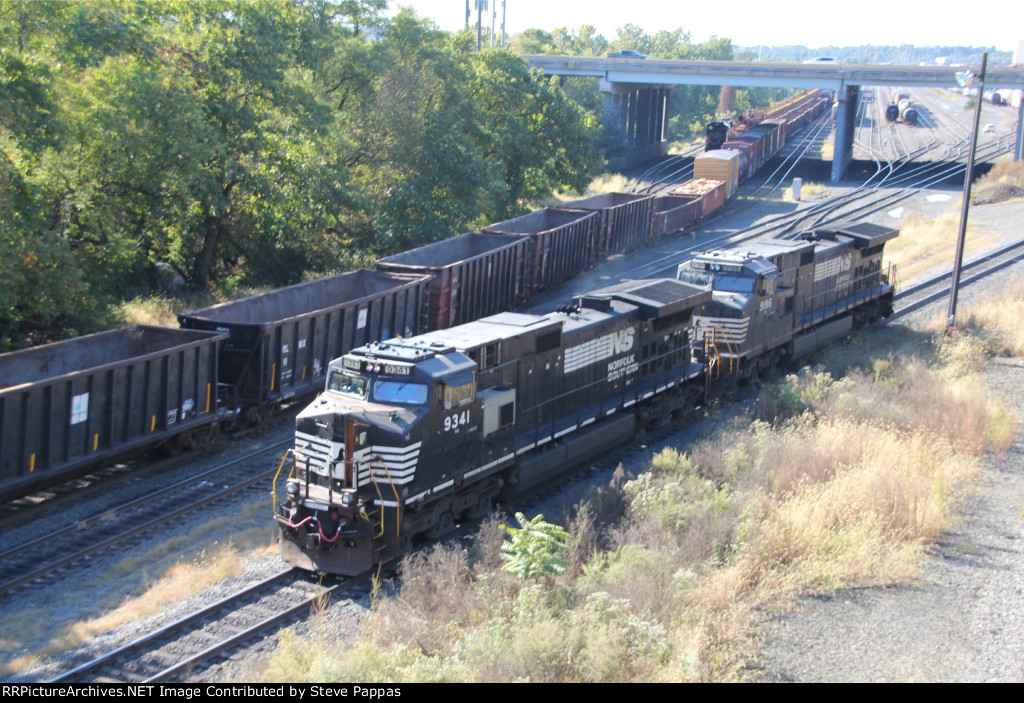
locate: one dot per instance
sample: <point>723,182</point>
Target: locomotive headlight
<point>292,488</point>
<point>348,498</point>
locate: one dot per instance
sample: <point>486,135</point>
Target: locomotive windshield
<point>354,385</point>
<point>694,278</point>
<point>400,392</point>
<point>733,284</point>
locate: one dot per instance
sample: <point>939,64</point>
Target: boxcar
<point>471,276</point>
<point>280,342</point>
<point>70,406</point>
<point>720,165</point>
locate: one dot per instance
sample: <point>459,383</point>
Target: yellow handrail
<point>273,487</point>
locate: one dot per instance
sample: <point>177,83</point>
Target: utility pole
<point>481,5</point>
<point>966,79</point>
<point>504,7</point>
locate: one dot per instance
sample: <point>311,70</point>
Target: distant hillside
<point>904,54</point>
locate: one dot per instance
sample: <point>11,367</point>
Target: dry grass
<point>676,148</point>
<point>605,183</point>
<point>175,584</point>
<point>138,586</point>
<point>810,191</point>
<point>178,583</point>
<point>999,326</point>
<point>163,310</point>
<point>927,246</point>
<point>828,148</point>
<point>843,493</point>
<point>1004,182</point>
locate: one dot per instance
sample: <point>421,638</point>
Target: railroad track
<point>45,557</point>
<point>178,650</point>
<point>171,653</point>
<point>916,296</point>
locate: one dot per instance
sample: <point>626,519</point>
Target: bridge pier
<point>637,115</point>
<point>846,122</point>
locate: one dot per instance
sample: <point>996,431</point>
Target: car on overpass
<point>627,54</point>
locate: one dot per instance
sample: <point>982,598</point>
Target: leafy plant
<point>536,548</point>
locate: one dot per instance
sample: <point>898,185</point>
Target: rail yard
<point>903,174</point>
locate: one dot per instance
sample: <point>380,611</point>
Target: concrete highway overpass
<point>637,90</point>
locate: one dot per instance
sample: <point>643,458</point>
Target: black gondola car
<point>625,223</point>
<point>73,405</point>
<point>280,342</point>
<point>562,243</point>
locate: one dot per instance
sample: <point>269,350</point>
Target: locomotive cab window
<point>458,391</point>
<point>346,383</point>
<point>733,284</point>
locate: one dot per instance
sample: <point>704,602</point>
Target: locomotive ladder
<point>376,516</point>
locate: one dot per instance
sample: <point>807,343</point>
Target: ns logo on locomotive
<point>411,435</point>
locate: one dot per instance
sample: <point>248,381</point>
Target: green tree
<point>539,139</point>
<point>41,283</point>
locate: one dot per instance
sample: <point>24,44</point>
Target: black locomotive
<point>716,133</point>
<point>410,435</point>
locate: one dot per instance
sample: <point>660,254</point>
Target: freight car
<point>908,113</point>
<point>70,407</point>
<point>280,342</point>
<point>67,407</point>
<point>410,435</point>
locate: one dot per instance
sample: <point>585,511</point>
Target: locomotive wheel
<point>444,525</point>
<point>483,506</point>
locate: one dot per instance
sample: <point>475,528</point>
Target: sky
<point>879,22</point>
